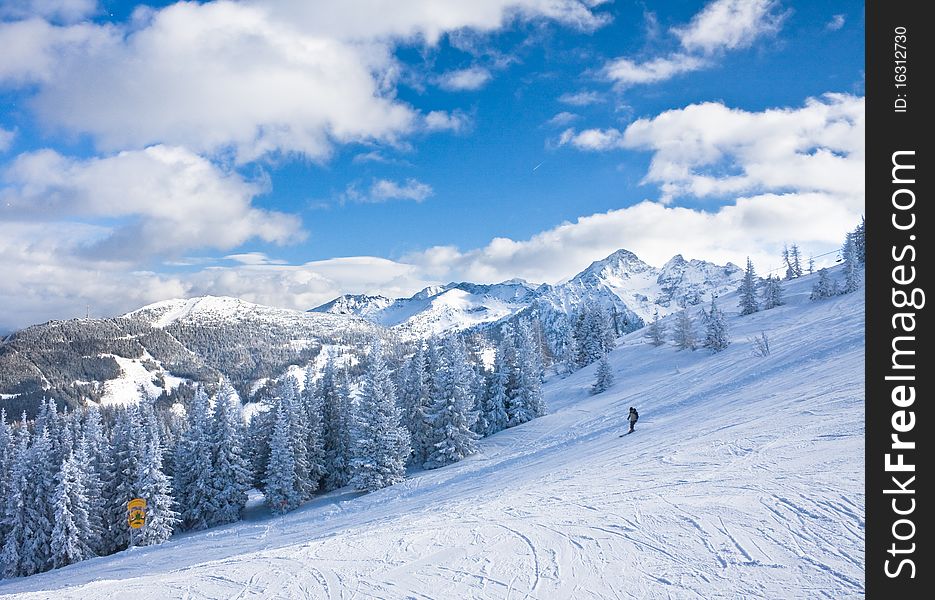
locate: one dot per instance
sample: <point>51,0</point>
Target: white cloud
<point>33,49</point>
<point>755,226</point>
<point>439,120</point>
<point>721,26</point>
<point>710,149</point>
<point>6,139</point>
<point>247,79</point>
<point>385,190</point>
<point>836,23</point>
<point>472,78</point>
<point>426,19</point>
<point>563,118</point>
<point>160,201</point>
<point>729,25</point>
<point>65,11</point>
<point>595,140</point>
<point>254,259</point>
<point>582,98</point>
<point>624,71</point>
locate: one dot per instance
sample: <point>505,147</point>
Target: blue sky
<point>286,151</point>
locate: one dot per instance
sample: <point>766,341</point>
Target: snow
<point>744,478</point>
<point>134,376</point>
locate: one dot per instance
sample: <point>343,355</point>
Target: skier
<point>632,418</point>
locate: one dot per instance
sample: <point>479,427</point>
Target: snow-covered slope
<point>744,479</point>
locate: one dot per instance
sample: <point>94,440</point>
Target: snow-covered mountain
<point>162,345</point>
<point>439,309</point>
<point>744,478</point>
<point>634,289</point>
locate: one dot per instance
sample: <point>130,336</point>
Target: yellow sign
<point>136,513</point>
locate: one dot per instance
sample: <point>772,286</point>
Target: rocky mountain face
<point>162,347</point>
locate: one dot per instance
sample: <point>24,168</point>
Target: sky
<point>289,151</point>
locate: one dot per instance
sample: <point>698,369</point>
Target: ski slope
<point>744,479</point>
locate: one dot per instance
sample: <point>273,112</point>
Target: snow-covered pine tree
<point>717,337</point>
<point>796,257</point>
<point>481,388</point>
<point>451,414</point>
<point>381,442</point>
<point>787,260</point>
<point>824,287</point>
<point>414,401</point>
<point>684,335</point>
<point>747,291</point>
<point>279,485</point>
<point>154,486</point>
<point>230,470</point>
<point>193,475</point>
<point>604,378</point>
<point>656,332</point>
<point>6,449</point>
<point>126,448</point>
<point>528,404</point>
<point>772,293</point>
<point>851,265</point>
<point>13,543</point>
<point>71,533</point>
<point>314,434</point>
<point>101,479</point>
<point>570,347</point>
<point>336,420</point>
<point>298,427</point>
<point>94,490</point>
<point>860,241</point>
<point>40,508</point>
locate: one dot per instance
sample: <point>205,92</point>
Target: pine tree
<point>94,490</point>
<point>298,431</point>
<point>796,257</point>
<point>748,304</point>
<point>6,450</point>
<point>851,267</point>
<point>824,287</point>
<point>570,348</point>
<point>14,518</point>
<point>414,399</point>
<point>279,485</point>
<point>381,442</point>
<point>72,531</point>
<point>230,470</point>
<point>656,332</point>
<point>154,486</point>
<point>40,510</point>
<point>101,481</point>
<point>497,398</point>
<point>860,241</point>
<point>527,404</point>
<point>772,293</point>
<point>314,434</point>
<point>193,476</point>
<point>604,378</point>
<point>717,337</point>
<point>127,442</point>
<point>336,428</point>
<point>787,259</point>
<point>451,415</point>
<point>685,332</point>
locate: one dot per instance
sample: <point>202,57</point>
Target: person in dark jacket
<point>632,418</point>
